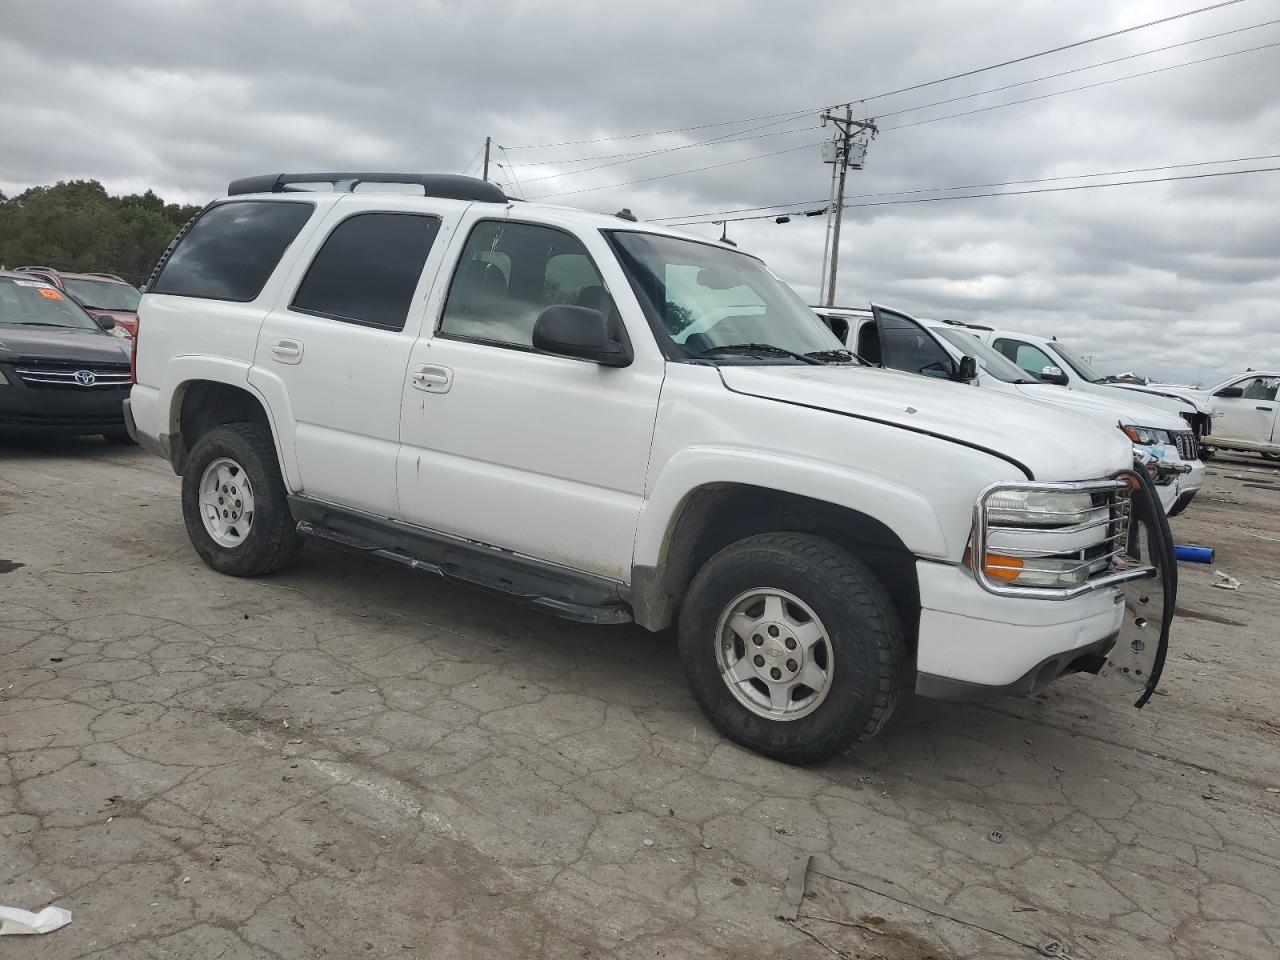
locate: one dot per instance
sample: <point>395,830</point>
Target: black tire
<point>862,628</point>
<point>119,439</point>
<point>272,541</point>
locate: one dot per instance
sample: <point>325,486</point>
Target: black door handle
<point>1263,409</point>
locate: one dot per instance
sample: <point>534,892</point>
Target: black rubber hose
<point>1166,561</point>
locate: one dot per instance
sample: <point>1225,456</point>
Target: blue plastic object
<point>1192,554</point>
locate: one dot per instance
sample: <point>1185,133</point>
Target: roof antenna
<point>724,233</point>
<point>626,214</point>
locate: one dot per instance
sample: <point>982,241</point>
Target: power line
<point>1087,86</point>
<point>949,116</point>
<point>781,208</point>
<point>732,137</point>
<point>1006,193</point>
<point>472,162</point>
<point>679,173</point>
<point>890,93</point>
<point>688,146</point>
<point>1065,73</point>
<point>1045,53</point>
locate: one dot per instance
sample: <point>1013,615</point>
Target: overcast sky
<point>1176,280</point>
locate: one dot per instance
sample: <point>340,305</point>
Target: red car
<point>98,293</point>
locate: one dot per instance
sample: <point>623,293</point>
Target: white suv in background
<point>1037,355</point>
<point>936,348</point>
<point>614,421</point>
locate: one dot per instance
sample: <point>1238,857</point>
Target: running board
<point>560,591</point>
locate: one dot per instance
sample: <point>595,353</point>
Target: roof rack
<point>448,186</point>
<point>107,276</point>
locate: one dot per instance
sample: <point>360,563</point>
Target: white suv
<point>613,421</point>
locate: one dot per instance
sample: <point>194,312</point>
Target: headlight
<point>1147,436</point>
<point>1039,508</point>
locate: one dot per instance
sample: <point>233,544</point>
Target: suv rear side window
<point>368,268</point>
<point>230,252</point>
<point>509,272</point>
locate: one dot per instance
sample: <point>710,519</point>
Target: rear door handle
<point>287,351</point>
<point>1263,409</point>
<point>432,379</point>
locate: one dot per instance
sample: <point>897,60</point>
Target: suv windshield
<point>1075,361</point>
<point>103,294</point>
<point>33,303</point>
<point>706,301</point>
<point>989,359</point>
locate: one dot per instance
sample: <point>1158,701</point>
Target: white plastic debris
<point>1225,582</point>
<point>13,920</point>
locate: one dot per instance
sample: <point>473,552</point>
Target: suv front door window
<point>1026,355</point>
<point>907,346</point>
<point>509,446</point>
<point>1252,415</point>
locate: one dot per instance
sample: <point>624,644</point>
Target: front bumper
<point>973,643</point>
<point>66,412</point>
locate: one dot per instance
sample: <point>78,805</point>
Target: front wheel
<point>234,502</point>
<point>791,647</point>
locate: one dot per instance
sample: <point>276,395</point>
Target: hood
<point>1175,401</point>
<point>46,343</point>
<point>1114,410</point>
<point>1053,444</point>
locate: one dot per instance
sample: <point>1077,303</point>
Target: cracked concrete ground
<point>349,760</point>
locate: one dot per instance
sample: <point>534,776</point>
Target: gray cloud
<point>1177,280</point>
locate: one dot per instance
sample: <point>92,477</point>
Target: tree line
<point>77,226</point>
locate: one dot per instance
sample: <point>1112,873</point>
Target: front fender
<point>907,513</point>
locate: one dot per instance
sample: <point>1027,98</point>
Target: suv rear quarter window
<point>367,269</point>
<point>231,251</point>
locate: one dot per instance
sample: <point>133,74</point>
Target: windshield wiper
<point>760,348</point>
<point>30,323</point>
<point>838,355</point>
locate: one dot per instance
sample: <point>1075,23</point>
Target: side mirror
<point>967,370</point>
<point>580,332</point>
<point>1052,374</point>
<point>105,321</point>
<point>1230,392</point>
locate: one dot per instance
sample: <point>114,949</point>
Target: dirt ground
<point>349,760</point>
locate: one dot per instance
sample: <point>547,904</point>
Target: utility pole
<point>848,152</point>
<point>487,141</point>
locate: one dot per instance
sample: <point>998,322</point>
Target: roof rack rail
<point>107,276</point>
<point>448,186</point>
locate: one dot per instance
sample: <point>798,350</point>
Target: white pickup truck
<point>1246,412</point>
<point>1057,363</point>
<point>937,349</point>
<point>612,421</point>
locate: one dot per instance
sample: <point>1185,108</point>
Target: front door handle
<point>1263,409</point>
<point>287,351</point>
<point>432,378</point>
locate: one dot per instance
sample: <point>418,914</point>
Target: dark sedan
<point>60,371</point>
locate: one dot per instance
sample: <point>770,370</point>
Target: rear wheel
<point>234,502</point>
<point>791,646</point>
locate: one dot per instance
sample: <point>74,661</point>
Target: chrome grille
<point>1094,547</point>
<point>1185,441</point>
<point>71,375</point>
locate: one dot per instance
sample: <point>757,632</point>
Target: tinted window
<point>231,251</point>
<point>368,268</point>
<point>906,346</point>
<point>509,273</point>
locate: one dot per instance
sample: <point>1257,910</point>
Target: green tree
<point>77,226</point>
